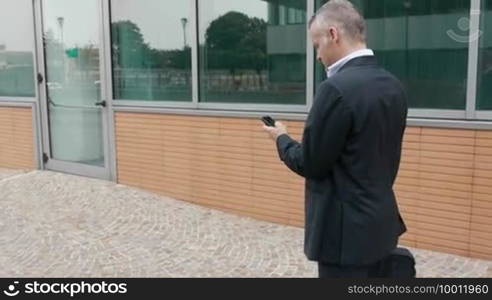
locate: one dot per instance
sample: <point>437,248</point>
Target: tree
<point>236,41</point>
<point>254,46</point>
<point>178,59</point>
<point>131,51</point>
<point>129,47</point>
<point>54,56</point>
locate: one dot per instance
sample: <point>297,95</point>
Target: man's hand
<point>276,131</point>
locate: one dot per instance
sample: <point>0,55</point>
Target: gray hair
<point>343,15</point>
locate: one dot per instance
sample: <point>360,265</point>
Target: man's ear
<point>333,34</point>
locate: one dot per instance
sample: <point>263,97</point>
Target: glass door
<point>75,114</point>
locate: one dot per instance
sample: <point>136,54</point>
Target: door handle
<point>101,103</point>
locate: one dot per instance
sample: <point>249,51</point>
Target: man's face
<point>325,44</point>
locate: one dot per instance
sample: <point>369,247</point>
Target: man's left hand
<point>276,131</point>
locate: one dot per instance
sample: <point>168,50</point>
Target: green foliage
<point>131,51</point>
<point>129,47</point>
<point>236,41</point>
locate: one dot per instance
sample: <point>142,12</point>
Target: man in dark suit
<point>350,150</point>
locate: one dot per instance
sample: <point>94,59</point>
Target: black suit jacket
<point>349,155</point>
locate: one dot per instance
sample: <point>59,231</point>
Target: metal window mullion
<point>108,90</point>
<point>41,68</point>
<point>454,124</point>
<point>108,65</point>
<point>18,99</point>
<point>473,47</point>
<point>194,52</point>
<point>310,9</point>
<point>436,113</point>
<point>104,84</point>
<point>37,109</point>
<point>485,115</point>
<point>34,53</point>
<point>16,104</point>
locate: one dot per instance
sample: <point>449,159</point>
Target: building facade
<point>166,96</point>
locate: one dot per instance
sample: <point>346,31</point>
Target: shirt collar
<point>334,68</point>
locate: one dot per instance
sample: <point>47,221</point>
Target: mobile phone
<point>269,121</point>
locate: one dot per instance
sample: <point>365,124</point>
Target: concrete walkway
<point>58,225</point>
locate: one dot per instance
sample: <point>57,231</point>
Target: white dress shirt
<point>334,68</point>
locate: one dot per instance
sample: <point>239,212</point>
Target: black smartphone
<point>269,121</point>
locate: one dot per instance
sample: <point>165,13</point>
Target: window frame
<point>232,106</point>
<point>271,107</point>
<point>107,17</point>
<point>479,114</point>
<point>469,113</point>
<point>33,99</point>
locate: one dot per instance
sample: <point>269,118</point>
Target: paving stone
<point>59,225</point>
<point>9,173</point>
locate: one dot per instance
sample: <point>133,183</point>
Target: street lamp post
<point>61,21</point>
<point>184,21</point>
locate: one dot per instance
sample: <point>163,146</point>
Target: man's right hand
<point>276,131</point>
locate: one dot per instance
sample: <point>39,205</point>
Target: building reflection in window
<point>252,51</point>
<point>424,43</point>
<point>151,50</point>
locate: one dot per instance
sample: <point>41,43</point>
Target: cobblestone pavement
<point>58,225</point>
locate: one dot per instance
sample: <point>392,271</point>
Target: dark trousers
<point>337,271</point>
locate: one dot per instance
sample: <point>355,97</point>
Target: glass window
<point>484,101</point>
<point>16,49</point>
<point>151,44</point>
<point>73,80</point>
<point>401,8</point>
<point>424,43</point>
<point>253,51</point>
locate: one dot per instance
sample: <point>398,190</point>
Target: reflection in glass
<point>484,101</point>
<point>424,43</point>
<point>16,49</point>
<point>151,50</point>
<point>401,8</point>
<point>71,45</point>
<point>252,51</point>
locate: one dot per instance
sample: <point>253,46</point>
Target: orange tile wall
<point>17,149</point>
<point>444,187</point>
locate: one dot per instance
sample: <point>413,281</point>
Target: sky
<point>81,21</point>
<point>159,20</point>
<point>22,39</point>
